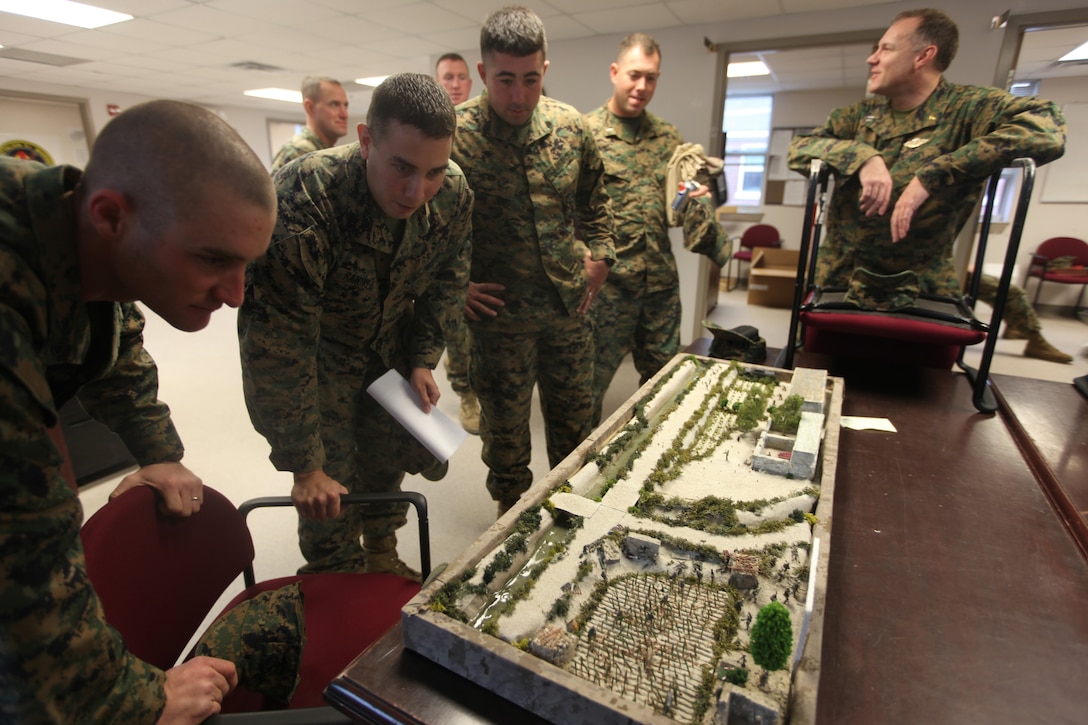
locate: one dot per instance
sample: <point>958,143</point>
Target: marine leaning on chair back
<point>910,161</point>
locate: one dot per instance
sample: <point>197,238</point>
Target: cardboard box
<point>772,277</point>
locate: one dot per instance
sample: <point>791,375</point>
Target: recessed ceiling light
<point>276,94</point>
<point>1078,53</point>
<point>373,81</point>
<point>64,11</point>
<point>749,68</point>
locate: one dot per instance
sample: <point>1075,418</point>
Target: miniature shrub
<point>560,608</point>
<point>528,522</point>
<point>772,637</point>
<point>501,562</point>
<point>787,417</point>
<point>737,677</point>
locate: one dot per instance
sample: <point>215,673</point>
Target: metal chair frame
<point>815,211</point>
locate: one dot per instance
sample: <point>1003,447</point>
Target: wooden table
<point>956,594</point>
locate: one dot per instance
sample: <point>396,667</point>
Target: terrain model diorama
<point>671,569</point>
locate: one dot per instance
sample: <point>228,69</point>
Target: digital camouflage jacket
<point>337,301</point>
<point>636,154</point>
<point>59,660</point>
<point>532,184</point>
<point>954,140</point>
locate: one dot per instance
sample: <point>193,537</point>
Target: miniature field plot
<point>672,569</point>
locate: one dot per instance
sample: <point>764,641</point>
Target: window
<point>1008,186</point>
<point>747,130</point>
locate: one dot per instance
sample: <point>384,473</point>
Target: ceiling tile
<point>157,32</point>
<point>628,19</point>
<point>280,12</point>
<point>419,18</point>
<point>698,12</point>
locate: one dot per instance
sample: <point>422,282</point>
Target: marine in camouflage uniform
<point>953,141</point>
<point>343,296</point>
<point>638,309</point>
<point>59,660</point>
<point>531,183</point>
<point>302,143</point>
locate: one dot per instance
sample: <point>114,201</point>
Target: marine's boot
<point>1013,333</point>
<point>1038,347</point>
<point>381,558</point>
<point>470,413</point>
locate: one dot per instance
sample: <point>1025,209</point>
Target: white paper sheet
<point>858,422</point>
<point>438,434</point>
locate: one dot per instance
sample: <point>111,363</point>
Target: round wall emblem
<point>26,150</point>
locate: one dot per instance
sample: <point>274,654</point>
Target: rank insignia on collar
<point>916,142</point>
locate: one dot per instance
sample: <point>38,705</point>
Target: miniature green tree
<point>787,417</point>
<point>772,637</point>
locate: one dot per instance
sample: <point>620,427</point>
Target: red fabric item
<point>136,557</point>
<point>886,339</point>
<point>345,614</point>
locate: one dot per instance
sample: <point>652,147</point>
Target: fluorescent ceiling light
<point>276,94</point>
<point>373,81</point>
<point>749,68</point>
<point>64,11</point>
<point>1078,53</point>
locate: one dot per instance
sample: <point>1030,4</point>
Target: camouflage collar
<point>538,127</point>
<point>632,130</point>
<point>882,118</point>
<point>313,138</point>
<point>55,230</point>
<point>54,223</point>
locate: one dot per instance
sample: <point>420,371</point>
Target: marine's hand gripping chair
<point>159,576</point>
<point>933,332</point>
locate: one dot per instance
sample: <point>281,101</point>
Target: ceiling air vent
<point>254,65</point>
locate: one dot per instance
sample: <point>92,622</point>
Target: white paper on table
<point>438,434</point>
<point>859,422</point>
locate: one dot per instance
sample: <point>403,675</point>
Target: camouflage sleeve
<point>436,311</point>
<point>278,332</point>
<point>702,232</point>
<point>594,212</point>
<point>59,660</point>
<point>1005,128</point>
<point>833,143</point>
<point>127,399</point>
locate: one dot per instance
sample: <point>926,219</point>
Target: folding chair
<point>1044,268</point>
<point>759,235</point>
<point>934,332</point>
<point>159,576</point>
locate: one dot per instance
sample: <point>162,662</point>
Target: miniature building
<point>553,645</point>
<point>802,449</point>
<point>811,385</point>
<point>639,546</point>
<point>610,552</point>
<point>807,445</point>
<point>745,569</point>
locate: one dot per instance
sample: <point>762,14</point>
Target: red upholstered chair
<point>159,576</point>
<point>931,332</point>
<point>1043,269</point>
<point>759,235</point>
